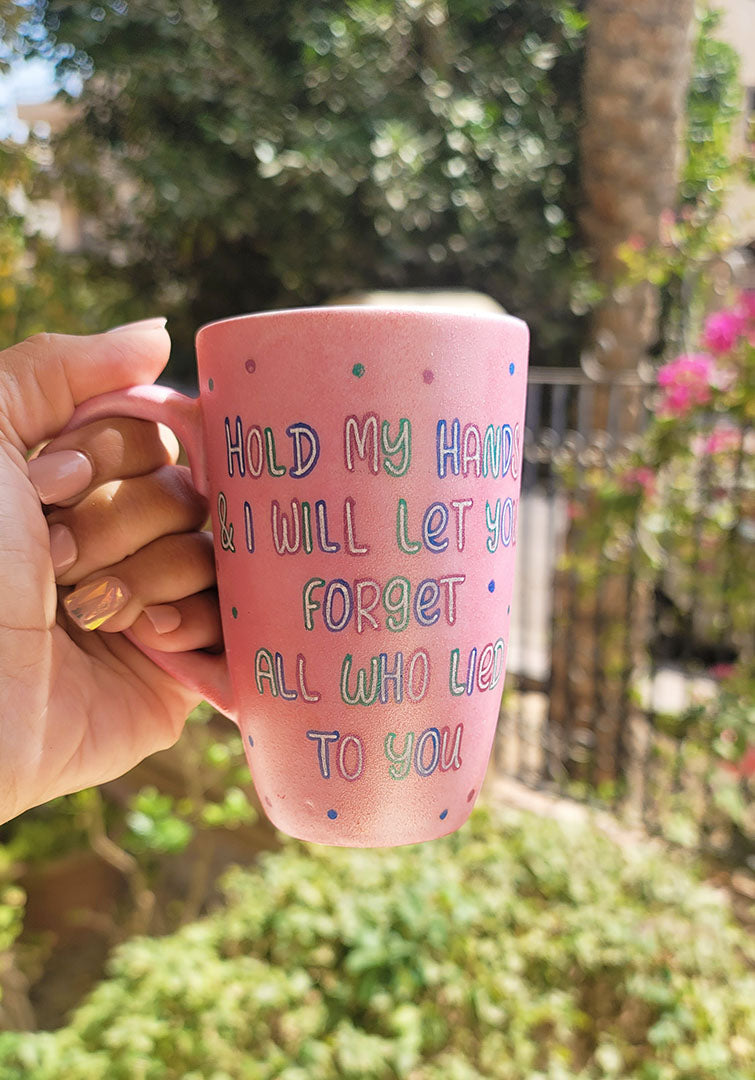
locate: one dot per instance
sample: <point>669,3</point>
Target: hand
<point>120,547</point>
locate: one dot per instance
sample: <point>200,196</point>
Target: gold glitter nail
<point>91,605</point>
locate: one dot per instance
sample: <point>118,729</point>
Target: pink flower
<point>722,671</point>
<point>747,303</point>
<point>723,330</point>
<point>686,382</point>
<point>722,440</point>
<point>745,767</point>
<point>640,477</point>
<point>637,242</point>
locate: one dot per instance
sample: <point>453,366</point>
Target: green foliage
<point>235,157</point>
<point>513,949</point>
<point>12,902</point>
<point>42,287</point>
<point>714,102</point>
<point>243,156</point>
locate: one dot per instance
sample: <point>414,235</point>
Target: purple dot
<point>267,801</point>
<point>332,814</point>
<point>470,796</point>
<point>251,740</point>
<point>491,586</point>
<point>512,368</point>
<point>250,366</point>
<point>427,375</point>
<point>443,815</point>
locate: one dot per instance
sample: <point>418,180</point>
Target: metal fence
<point>600,684</point>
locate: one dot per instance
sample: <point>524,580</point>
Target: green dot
<point>235,612</point>
<point>358,370</point>
<point>211,384</point>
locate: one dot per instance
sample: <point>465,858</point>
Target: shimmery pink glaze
<point>304,361</point>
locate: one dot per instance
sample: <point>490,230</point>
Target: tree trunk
<point>634,94</point>
<point>634,91</point>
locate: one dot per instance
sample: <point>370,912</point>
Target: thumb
<point>44,378</point>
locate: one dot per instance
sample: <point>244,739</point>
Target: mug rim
<point>369,310</point>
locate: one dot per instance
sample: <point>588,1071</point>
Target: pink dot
<point>250,366</point>
<point>427,375</point>
<point>470,796</point>
<point>267,801</point>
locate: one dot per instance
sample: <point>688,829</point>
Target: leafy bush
<point>513,949</point>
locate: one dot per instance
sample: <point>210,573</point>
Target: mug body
<point>364,468</point>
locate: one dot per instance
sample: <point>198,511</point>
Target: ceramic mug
<point>363,469</point>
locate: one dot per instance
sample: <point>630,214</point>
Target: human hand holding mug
<point>362,467</point>
<point>109,499</point>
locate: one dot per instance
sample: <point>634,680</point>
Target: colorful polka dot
<point>251,740</point>
<point>428,376</point>
<point>491,586</point>
<point>508,610</point>
<point>235,612</point>
<point>470,796</point>
<point>250,366</point>
<point>443,815</point>
<point>211,384</point>
<point>358,370</point>
<point>332,814</point>
<point>512,368</point>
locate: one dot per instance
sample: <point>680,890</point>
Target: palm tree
<point>637,64</point>
<point>635,80</point>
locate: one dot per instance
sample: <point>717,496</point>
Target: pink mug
<point>363,470</point>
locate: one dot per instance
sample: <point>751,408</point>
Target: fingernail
<point>164,617</point>
<point>63,549</point>
<point>91,605</point>
<point>158,323</point>
<point>60,475</point>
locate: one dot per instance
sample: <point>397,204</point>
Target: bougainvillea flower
<point>745,767</point>
<point>686,382</point>
<point>723,330</point>
<point>722,440</point>
<point>641,477</point>
<point>746,303</point>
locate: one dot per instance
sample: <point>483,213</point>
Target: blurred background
<point>586,166</point>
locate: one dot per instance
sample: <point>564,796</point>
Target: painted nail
<point>60,474</point>
<point>91,605</point>
<point>158,323</point>
<point>63,549</point>
<point>164,617</point>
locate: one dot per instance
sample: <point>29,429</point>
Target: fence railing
<point>600,682</point>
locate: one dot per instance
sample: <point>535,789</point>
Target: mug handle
<point>206,673</point>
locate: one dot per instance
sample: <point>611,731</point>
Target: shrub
<point>513,949</point>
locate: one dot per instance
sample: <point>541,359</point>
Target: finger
<point>167,570</point>
<point>44,378</point>
<point>72,465</point>
<point>192,623</point>
<point>117,519</point>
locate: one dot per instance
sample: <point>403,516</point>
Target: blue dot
<point>491,586</point>
<point>332,814</point>
<point>508,610</point>
<point>443,815</point>
<point>512,368</point>
<point>251,740</point>
<point>211,384</point>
